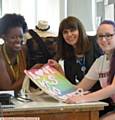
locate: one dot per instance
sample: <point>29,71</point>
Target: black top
<point>73,68</point>
<point>37,51</point>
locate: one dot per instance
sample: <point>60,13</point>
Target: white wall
<point>84,10</point>
<point>27,8</point>
<point>53,11</point>
<point>34,10</point>
<point>23,7</point>
<point>49,10</point>
<point>9,6</point>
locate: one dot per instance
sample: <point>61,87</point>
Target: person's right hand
<point>53,63</point>
<point>37,66</point>
<point>56,65</point>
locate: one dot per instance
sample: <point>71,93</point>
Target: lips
<point>17,46</point>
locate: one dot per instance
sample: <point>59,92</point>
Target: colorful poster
<point>51,81</point>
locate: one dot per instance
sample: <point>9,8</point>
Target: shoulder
<point>100,59</point>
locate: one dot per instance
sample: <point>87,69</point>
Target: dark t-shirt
<point>73,68</point>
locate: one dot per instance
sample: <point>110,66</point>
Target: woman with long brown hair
<point>75,50</point>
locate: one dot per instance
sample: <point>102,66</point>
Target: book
<point>51,82</point>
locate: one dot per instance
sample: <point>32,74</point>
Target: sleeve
<point>93,72</point>
<point>61,62</point>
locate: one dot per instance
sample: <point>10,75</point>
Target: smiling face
<point>106,37</point>
<point>13,38</point>
<point>71,36</point>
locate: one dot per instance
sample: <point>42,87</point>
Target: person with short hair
<point>12,55</point>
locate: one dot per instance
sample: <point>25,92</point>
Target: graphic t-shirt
<point>99,71</point>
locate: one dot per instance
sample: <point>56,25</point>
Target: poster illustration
<point>51,81</point>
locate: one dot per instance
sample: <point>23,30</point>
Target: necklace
<point>15,72</point>
<point>81,62</point>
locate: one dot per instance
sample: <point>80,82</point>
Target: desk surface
<point>47,106</point>
<point>47,102</point>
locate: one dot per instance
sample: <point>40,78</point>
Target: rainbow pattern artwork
<point>51,81</point>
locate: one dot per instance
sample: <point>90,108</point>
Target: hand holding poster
<point>51,81</point>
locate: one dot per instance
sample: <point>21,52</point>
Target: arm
<point>90,78</point>
<point>95,96</point>
<point>86,84</point>
<point>17,85</point>
<point>5,80</point>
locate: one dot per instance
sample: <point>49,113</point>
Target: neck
<point>109,54</point>
<point>10,55</point>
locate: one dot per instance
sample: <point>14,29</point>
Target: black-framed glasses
<point>107,36</point>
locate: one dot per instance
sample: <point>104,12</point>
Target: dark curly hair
<point>12,20</point>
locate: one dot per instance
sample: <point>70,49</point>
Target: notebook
<point>9,105</point>
<point>51,82</point>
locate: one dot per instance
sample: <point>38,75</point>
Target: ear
<point>4,38</point>
<point>1,41</point>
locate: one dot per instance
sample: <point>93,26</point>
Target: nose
<point>19,39</point>
<point>69,33</point>
<point>103,38</point>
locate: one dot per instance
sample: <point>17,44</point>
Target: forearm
<point>86,84</point>
<point>100,94</point>
<point>17,85</point>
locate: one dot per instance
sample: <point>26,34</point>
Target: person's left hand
<point>75,99</point>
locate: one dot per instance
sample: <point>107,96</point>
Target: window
<point>0,7</point>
